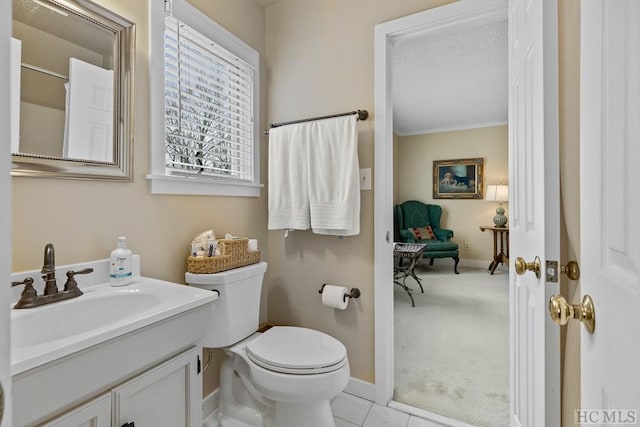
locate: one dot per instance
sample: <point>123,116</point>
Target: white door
<point>89,115</point>
<point>610,209</point>
<point>5,214</point>
<point>534,210</point>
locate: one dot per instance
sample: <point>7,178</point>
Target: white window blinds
<point>209,105</point>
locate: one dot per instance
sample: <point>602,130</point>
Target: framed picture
<point>457,179</point>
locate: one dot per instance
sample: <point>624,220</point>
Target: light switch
<point>365,179</point>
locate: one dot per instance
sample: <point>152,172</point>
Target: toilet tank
<point>235,314</point>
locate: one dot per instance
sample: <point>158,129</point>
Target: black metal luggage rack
<point>412,251</point>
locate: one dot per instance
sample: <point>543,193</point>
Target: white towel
<point>334,187</point>
<point>288,184</point>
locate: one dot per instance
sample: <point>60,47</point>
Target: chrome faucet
<point>30,298</point>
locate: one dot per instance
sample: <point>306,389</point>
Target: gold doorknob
<point>561,311</point>
<point>522,266</point>
<point>572,270</point>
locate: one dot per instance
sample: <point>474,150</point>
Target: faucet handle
<point>29,294</point>
<point>28,282</point>
<point>71,283</point>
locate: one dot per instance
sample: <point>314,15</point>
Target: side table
<point>413,251</point>
<point>500,234</point>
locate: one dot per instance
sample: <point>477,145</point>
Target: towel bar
<point>362,115</point>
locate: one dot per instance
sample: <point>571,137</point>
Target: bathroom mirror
<point>72,91</point>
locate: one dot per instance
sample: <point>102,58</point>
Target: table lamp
<point>498,193</point>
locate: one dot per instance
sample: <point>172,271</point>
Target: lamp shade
<point>497,193</point>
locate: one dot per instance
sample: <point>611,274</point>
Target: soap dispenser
<point>120,266</point>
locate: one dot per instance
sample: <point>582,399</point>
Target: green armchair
<point>412,217</point>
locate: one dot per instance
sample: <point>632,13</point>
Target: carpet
<point>452,348</point>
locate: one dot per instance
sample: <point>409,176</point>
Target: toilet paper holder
<point>353,293</point>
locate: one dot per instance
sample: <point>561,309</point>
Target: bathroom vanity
<point>165,395</point>
<point>115,356</point>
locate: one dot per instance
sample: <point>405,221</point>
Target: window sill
<point>188,185</point>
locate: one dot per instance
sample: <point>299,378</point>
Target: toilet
<point>283,377</point>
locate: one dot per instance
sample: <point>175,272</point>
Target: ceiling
<point>59,23</point>
<point>450,79</point>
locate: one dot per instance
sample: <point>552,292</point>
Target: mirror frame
<point>35,165</point>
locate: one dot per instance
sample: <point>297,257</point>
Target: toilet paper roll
<point>252,245</point>
<point>334,297</point>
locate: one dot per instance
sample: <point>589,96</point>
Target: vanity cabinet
<point>146,335</point>
<point>168,395</point>
<point>165,395</point>
<point>96,413</point>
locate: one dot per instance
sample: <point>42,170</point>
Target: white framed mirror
<point>72,65</point>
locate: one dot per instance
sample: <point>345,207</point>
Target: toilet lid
<point>295,350</point>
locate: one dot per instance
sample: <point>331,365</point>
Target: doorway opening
<point>391,365</point>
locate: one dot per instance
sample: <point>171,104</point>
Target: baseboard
<point>210,403</point>
<point>464,262</point>
<point>429,416</point>
<point>473,263</point>
<point>480,263</point>
<point>361,389</point>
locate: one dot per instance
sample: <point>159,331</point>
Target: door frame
<point>455,14</point>
<point>5,212</point>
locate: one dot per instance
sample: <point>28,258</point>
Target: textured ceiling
<point>452,79</point>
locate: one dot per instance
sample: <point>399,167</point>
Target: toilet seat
<point>297,351</point>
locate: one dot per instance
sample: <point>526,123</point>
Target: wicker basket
<point>233,254</point>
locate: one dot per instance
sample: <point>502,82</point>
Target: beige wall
<point>83,218</point>
<point>46,138</point>
<point>569,102</point>
<point>414,175</point>
<point>320,60</point>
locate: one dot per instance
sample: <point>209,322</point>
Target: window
<point>204,106</point>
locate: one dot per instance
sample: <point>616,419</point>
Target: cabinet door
<point>96,413</point>
<point>168,395</point>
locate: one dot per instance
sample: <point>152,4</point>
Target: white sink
<point>99,339</point>
<point>45,333</point>
<point>98,309</point>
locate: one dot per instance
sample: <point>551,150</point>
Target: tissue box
<point>233,254</point>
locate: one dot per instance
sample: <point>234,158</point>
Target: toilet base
<point>258,397</point>
<point>238,405</point>
<point>316,414</point>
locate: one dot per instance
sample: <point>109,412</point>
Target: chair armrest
<point>443,233</point>
<point>406,236</point>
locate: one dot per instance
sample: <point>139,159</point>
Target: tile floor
<point>351,411</point>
